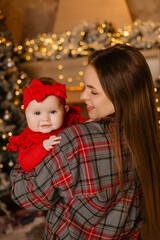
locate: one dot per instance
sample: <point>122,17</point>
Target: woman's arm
<point>41,189</point>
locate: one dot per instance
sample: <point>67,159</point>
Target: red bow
<point>38,91</point>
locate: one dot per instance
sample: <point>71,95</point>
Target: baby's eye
<point>37,113</point>
<point>53,111</point>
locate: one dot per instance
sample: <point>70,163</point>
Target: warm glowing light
<point>103,25</point>
<point>71,89</point>
<point>61,77</point>
<point>10,134</point>
<point>60,67</point>
<point>4,135</point>
<point>69,79</point>
<point>28,58</point>
<point>81,73</point>
<point>19,81</point>
<point>4,148</point>
<point>58,57</point>
<point>68,33</point>
<point>27,43</point>
<point>155,89</point>
<point>126,33</point>
<point>20,47</point>
<point>82,33</point>
<point>81,84</point>
<point>84,63</point>
<point>16,93</point>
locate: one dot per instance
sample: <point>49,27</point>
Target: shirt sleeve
<point>31,156</point>
<point>41,188</point>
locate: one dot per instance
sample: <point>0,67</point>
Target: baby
<point>47,115</point>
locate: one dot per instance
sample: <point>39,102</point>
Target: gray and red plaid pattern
<point>78,183</point>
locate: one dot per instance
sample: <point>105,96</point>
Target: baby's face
<point>45,116</point>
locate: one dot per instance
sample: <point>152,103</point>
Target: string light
<point>61,77</point>
<point>60,67</point>
<point>70,79</point>
<point>81,73</point>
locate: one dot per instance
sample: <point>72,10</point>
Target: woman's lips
<point>89,108</point>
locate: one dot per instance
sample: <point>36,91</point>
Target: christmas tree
<point>12,119</point>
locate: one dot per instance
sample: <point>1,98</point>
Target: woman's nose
<point>83,95</point>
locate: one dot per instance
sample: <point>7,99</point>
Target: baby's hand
<point>48,143</point>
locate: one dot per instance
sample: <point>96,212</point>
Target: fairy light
<point>19,81</point>
<point>54,35</point>
<point>30,50</point>
<point>60,48</point>
<point>19,47</point>
<point>32,41</point>
<point>81,73</point>
<point>58,57</point>
<point>126,33</point>
<point>61,77</point>
<point>68,33</point>
<point>85,53</point>
<point>10,134</point>
<point>54,46</point>
<point>155,89</point>
<point>103,25</point>
<point>70,46</point>
<point>61,40</point>
<point>81,84</point>
<point>36,48</point>
<point>27,43</point>
<point>82,33</point>
<point>81,43</point>
<point>101,31</point>
<point>69,79</point>
<point>17,93</point>
<point>73,52</point>
<point>84,63</point>
<point>4,135</point>
<point>28,58</point>
<point>60,67</point>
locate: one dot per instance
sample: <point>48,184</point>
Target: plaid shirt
<point>78,184</point>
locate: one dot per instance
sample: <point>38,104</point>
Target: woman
<point>92,183</point>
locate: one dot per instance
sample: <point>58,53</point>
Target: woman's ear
<point>66,108</point>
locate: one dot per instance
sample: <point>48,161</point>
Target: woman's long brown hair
<point>126,79</point>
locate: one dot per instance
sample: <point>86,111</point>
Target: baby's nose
<point>45,117</point>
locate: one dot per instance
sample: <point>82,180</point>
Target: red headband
<point>38,91</point>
